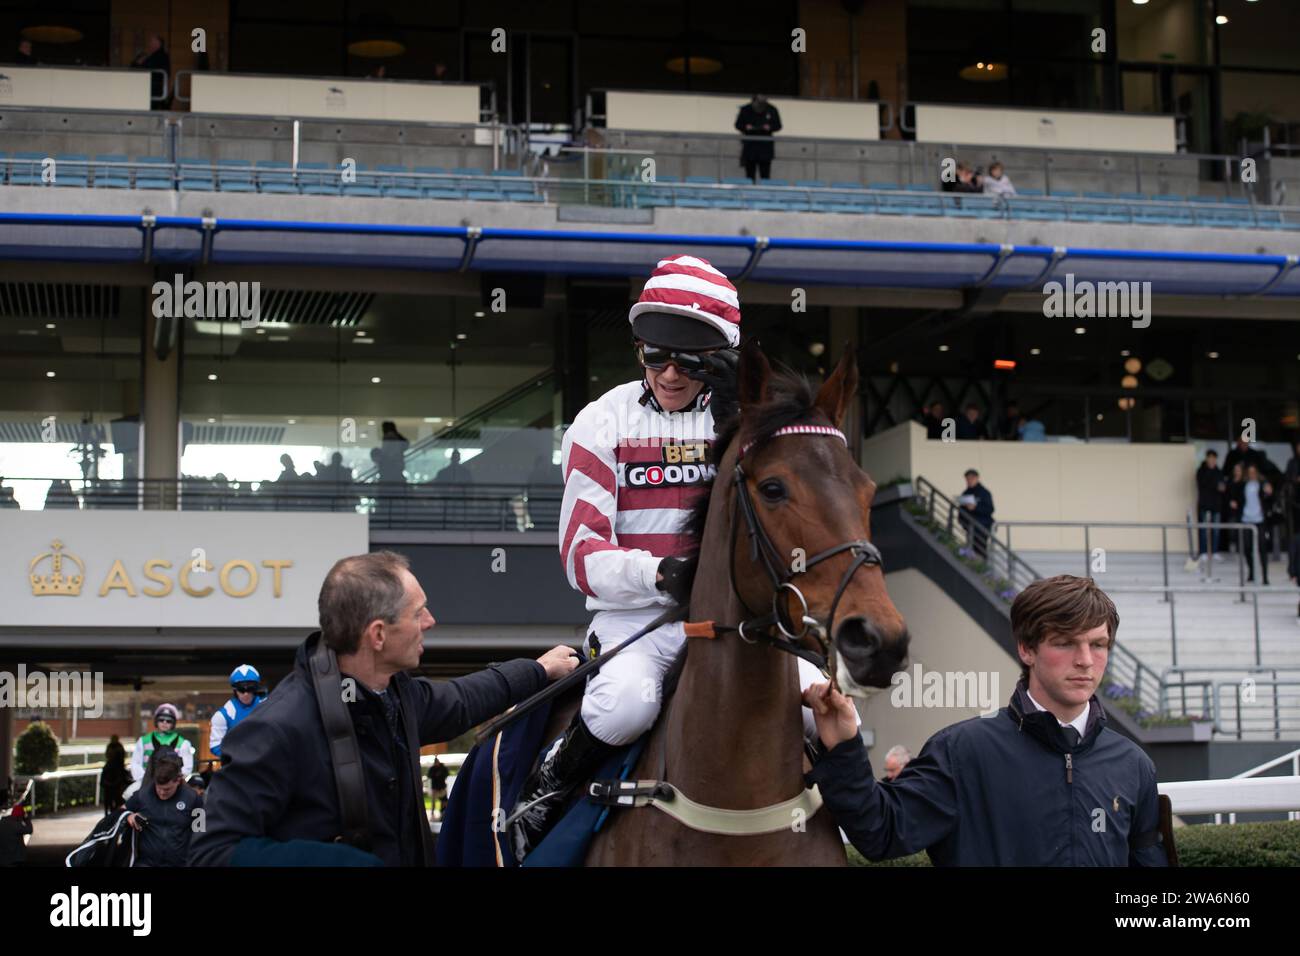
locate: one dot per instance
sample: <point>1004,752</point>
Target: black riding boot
<point>578,756</point>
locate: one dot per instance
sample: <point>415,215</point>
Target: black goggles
<point>656,359</point>
<point>245,688</point>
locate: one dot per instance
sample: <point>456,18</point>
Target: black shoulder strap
<point>413,746</point>
<point>345,755</point>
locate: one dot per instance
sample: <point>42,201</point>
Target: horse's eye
<point>772,490</point>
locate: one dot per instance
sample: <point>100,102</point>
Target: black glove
<point>720,373</point>
<point>678,578</point>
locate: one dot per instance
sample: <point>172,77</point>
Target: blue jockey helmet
<point>245,674</point>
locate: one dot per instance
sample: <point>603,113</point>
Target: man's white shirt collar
<point>1079,723</point>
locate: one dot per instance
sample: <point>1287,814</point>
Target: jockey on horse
<point>634,462</point>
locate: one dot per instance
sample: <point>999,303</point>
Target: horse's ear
<point>752,374</point>
<point>835,394</point>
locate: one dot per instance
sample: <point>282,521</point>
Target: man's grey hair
<point>899,751</point>
<point>358,590</point>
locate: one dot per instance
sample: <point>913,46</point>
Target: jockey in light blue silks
<point>246,682</point>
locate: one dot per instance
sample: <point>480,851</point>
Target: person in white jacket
<point>634,462</point>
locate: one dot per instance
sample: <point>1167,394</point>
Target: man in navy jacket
<point>1043,782</point>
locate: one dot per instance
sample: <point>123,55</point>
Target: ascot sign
<point>170,569</point>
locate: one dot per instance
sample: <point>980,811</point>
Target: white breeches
<point>622,700</point>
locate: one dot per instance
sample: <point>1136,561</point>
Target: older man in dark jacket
<point>277,803</point>
<point>1043,782</point>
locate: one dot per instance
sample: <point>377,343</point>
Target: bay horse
<point>731,736</point>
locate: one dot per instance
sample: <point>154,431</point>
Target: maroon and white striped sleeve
<point>593,560</point>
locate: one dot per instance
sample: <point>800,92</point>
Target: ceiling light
<point>1220,19</point>
<point>261,331</point>
<point>212,376</point>
<point>212,421</point>
<point>49,375</point>
<point>375,380</point>
<point>1080,330</point>
<point>478,315</point>
<point>462,336</point>
<point>293,421</point>
<point>49,325</point>
<point>1212,355</point>
<point>1125,352</point>
<point>1035,351</point>
<point>943,348</point>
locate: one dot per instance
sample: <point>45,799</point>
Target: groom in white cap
<point>635,461</point>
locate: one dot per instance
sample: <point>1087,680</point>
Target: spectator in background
<point>440,72</point>
<point>969,426</point>
<point>1031,429</point>
<point>392,455</point>
<point>934,421</point>
<point>438,774</point>
<point>1232,504</point>
<point>1209,496</point>
<point>7,499</point>
<point>977,518</point>
<point>758,118</point>
<point>1290,492</point>
<point>162,812</point>
<point>60,495</point>
<point>1246,456</point>
<point>896,759</point>
<point>14,826</point>
<point>1008,427</point>
<point>289,473</point>
<point>24,56</point>
<point>966,182</point>
<point>154,57</point>
<point>1254,498</point>
<point>455,473</point>
<point>336,471</point>
<point>115,778</point>
<point>997,182</point>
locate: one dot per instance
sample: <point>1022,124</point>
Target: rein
<point>757,629</point>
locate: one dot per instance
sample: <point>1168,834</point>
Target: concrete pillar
<point>845,333</point>
<point>161,410</point>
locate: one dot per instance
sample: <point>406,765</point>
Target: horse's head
<point>813,503</point>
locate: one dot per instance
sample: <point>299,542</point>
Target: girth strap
<point>698,816</point>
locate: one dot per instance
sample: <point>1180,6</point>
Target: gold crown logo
<point>56,582</point>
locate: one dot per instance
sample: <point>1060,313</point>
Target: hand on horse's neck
<point>735,731</point>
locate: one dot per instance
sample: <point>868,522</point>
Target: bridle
<point>758,628</point>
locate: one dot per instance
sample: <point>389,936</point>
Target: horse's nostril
<point>869,657</point>
<point>856,639</point>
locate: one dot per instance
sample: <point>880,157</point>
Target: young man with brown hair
<point>1043,782</point>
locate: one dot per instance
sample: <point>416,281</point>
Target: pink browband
<point>801,430</point>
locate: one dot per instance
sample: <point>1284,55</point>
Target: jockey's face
<point>672,389</point>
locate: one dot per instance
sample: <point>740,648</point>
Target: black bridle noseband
<point>760,546</point>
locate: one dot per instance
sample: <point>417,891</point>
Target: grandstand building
<point>270,306</point>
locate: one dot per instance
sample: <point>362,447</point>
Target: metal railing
<point>1165,693</point>
<point>1164,527</point>
<point>1293,758</point>
<point>957,522</point>
<point>911,162</point>
<point>433,506</point>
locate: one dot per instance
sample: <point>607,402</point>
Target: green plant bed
<point>73,792</point>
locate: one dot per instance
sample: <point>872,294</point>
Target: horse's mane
<point>790,399</point>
